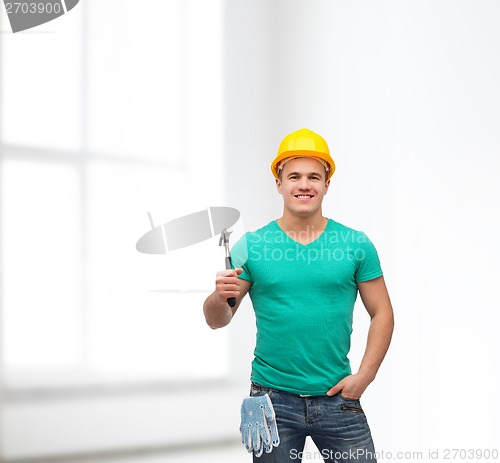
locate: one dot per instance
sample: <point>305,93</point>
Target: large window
<point>107,113</point>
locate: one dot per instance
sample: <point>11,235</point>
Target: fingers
<point>227,283</point>
<point>230,273</point>
<point>350,387</point>
<point>336,389</point>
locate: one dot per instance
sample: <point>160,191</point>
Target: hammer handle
<point>229,265</point>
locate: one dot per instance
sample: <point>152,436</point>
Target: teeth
<point>304,196</point>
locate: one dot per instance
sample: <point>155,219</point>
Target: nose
<point>304,183</point>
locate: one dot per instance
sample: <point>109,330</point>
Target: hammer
<point>224,240</point>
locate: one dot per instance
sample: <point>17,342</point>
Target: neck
<point>309,224</point>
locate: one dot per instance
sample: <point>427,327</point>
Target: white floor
<point>227,454</point>
<point>230,454</point>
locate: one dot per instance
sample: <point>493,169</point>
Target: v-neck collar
<point>328,224</point>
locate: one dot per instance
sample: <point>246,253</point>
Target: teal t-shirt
<point>303,297</point>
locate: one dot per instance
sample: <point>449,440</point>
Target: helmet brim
<point>302,153</point>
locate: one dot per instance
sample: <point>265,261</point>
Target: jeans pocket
<point>352,405</point>
<point>343,397</point>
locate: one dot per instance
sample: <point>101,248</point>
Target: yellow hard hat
<point>303,142</point>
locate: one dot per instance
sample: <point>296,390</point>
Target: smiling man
<point>303,273</point>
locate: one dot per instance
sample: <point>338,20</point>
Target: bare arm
<point>227,284</point>
<point>378,304</point>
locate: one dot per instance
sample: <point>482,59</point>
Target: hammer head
<point>224,237</point>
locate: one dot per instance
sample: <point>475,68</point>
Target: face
<point>303,184</point>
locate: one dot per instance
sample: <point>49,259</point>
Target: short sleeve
<point>368,263</point>
<point>239,257</point>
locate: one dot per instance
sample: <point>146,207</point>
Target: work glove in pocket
<point>258,425</point>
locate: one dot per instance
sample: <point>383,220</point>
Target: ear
<point>327,185</point>
<point>278,185</point>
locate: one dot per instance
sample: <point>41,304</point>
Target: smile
<point>304,196</point>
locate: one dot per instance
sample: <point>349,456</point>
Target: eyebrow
<point>299,173</point>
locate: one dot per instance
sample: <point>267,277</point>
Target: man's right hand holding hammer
<point>216,308</point>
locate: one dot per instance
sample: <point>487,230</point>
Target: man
<point>303,272</point>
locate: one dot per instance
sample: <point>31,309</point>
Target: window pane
<point>136,78</point>
<point>153,92</point>
<point>133,330</point>
<point>40,265</point>
<point>204,146</point>
<point>41,89</point>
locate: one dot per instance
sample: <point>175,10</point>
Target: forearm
<point>217,313</point>
<point>379,339</point>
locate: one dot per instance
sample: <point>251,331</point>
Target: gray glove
<point>258,425</point>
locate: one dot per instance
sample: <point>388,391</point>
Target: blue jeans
<point>336,425</point>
